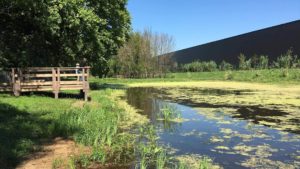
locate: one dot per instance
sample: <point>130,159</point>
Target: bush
<point>284,73</point>
<point>243,63</point>
<point>225,66</point>
<point>199,66</point>
<point>228,75</point>
<point>263,62</point>
<point>296,62</point>
<point>285,60</point>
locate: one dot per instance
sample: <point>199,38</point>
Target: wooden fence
<point>53,79</point>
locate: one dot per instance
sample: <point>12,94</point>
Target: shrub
<point>198,66</point>
<point>225,66</point>
<point>210,66</point>
<point>296,62</point>
<point>284,73</point>
<point>228,75</point>
<point>285,60</point>
<point>263,62</point>
<point>243,63</point>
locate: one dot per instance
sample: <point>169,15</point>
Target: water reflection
<point>234,136</point>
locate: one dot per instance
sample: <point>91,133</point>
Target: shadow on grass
<point>22,133</point>
<point>63,95</point>
<point>99,86</point>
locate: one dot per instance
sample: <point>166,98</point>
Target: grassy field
<point>270,76</point>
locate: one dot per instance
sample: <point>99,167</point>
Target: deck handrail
<point>47,79</point>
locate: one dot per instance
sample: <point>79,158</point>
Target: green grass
<point>273,76</point>
<point>27,122</point>
<point>24,123</point>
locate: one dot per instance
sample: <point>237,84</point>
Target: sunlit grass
<point>272,76</point>
<point>28,119</point>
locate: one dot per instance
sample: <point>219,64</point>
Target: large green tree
<point>62,32</point>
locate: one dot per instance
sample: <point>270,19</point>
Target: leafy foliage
<point>287,60</point>
<point>263,62</point>
<point>139,57</point>
<point>244,64</point>
<point>200,66</point>
<point>225,66</point>
<point>61,33</point>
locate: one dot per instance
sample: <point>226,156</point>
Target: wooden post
<point>16,84</point>
<point>54,83</point>
<point>13,76</point>
<point>58,80</point>
<point>85,83</point>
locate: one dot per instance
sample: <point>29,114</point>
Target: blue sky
<point>194,22</point>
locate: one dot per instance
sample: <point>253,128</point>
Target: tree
<point>62,32</point>
<point>141,55</point>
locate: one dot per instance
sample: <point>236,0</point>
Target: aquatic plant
<point>204,163</point>
<point>169,112</point>
<point>147,151</point>
<point>161,159</point>
<point>194,161</point>
<point>182,165</point>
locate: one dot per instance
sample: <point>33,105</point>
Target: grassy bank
<point>29,122</point>
<point>111,131</point>
<point>270,76</point>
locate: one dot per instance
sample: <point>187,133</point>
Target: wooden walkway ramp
<point>53,79</point>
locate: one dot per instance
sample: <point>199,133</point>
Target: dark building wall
<point>272,41</point>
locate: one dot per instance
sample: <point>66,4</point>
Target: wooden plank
<point>36,83</point>
<point>66,86</point>
<point>49,89</point>
<point>48,83</point>
<point>72,88</point>
<point>71,82</point>
<point>8,89</point>
<point>4,84</point>
<point>38,75</point>
<point>37,89</point>
<point>50,75</point>
<point>72,75</point>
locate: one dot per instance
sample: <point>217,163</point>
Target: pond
<point>233,135</point>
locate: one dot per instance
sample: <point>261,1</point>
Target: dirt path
<point>59,151</point>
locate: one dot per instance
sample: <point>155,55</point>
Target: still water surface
<point>231,136</point>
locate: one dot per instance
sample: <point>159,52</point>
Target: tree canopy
<point>62,32</point>
<point>145,54</point>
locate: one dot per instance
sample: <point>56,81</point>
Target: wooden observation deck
<point>53,79</point>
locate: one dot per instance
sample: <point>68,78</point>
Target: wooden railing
<point>47,79</point>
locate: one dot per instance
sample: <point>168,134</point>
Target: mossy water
<point>249,134</point>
